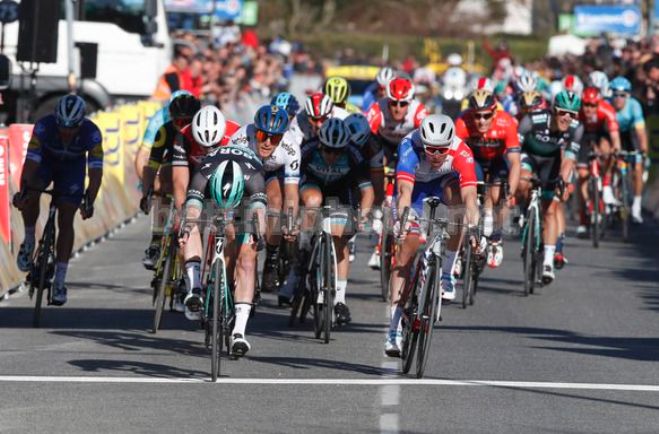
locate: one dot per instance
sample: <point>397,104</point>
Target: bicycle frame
<point>44,260</point>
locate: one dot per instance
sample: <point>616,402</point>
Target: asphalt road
<point>580,356</point>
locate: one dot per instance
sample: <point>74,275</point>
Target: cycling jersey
<point>252,169</point>
<point>286,155</point>
<point>155,122</point>
<point>47,144</point>
<point>350,169</point>
<point>390,131</point>
<point>604,119</point>
<point>163,145</point>
<point>537,138</point>
<point>499,139</point>
<point>187,152</point>
<point>631,115</point>
<point>301,127</point>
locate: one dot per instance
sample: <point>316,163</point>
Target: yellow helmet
<point>338,89</point>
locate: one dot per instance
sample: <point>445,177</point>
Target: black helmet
<point>184,106</point>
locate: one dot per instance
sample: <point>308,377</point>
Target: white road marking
<point>390,393</point>
<point>336,381</point>
<point>389,423</point>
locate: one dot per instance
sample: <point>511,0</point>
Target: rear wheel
<point>41,277</point>
<point>328,288</point>
<point>595,217</point>
<point>467,275</point>
<point>410,329</point>
<point>386,253</point>
<point>216,333</point>
<point>163,283</point>
<point>529,254</point>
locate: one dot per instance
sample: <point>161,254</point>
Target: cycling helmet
<point>70,111</point>
<point>437,130</point>
<point>227,184</point>
<point>334,134</point>
<point>176,94</point>
<point>482,99</point>
<point>454,59</point>
<point>271,119</point>
<point>338,89</point>
<point>620,84</point>
<point>286,101</point>
<point>527,82</point>
<point>400,89</point>
<point>600,81</point>
<point>318,105</point>
<point>385,75</point>
<point>591,95</point>
<point>568,101</point>
<point>484,83</point>
<point>530,100</point>
<point>184,106</point>
<point>359,128</point>
<point>208,126</point>
<point>572,83</point>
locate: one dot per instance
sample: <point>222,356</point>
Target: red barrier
<point>19,137</point>
<point>5,217</point>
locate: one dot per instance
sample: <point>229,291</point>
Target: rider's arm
<point>405,174</point>
<point>639,126</point>
<point>612,126</point>
<point>180,179</point>
<point>366,192</point>
<point>95,166</point>
<point>569,158</point>
<point>470,200</point>
<point>376,164</point>
<point>155,160</point>
<point>463,164</point>
<point>513,150</point>
<point>292,165</point>
<point>142,156</point>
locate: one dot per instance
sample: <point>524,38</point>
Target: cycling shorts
<point>496,170</point>
<point>547,169</point>
<point>67,176</point>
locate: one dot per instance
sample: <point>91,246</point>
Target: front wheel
<point>467,297</point>
<point>386,253</point>
<point>529,254</point>
<point>216,333</point>
<point>164,281</point>
<point>595,215</point>
<point>427,316</point>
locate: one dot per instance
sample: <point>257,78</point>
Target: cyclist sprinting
<point>268,137</point>
<point>433,161</point>
<point>63,146</point>
<point>338,89</point>
<point>333,169</point>
<point>230,175</point>
<point>318,107</point>
<point>492,136</point>
<point>377,90</point>
<point>550,144</point>
<point>530,102</point>
<point>601,134</point>
<point>181,111</point>
<point>633,136</point>
<point>288,102</point>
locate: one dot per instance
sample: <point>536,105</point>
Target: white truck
<point>130,54</point>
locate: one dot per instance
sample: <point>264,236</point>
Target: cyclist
<point>433,162</point>
<point>376,90</point>
<point>318,107</point>
<point>530,102</point>
<point>573,83</point>
<point>600,134</point>
<point>334,169</point>
<point>230,175</point>
<point>287,102</point>
<point>279,152</point>
<point>492,136</point>
<point>633,136</point>
<point>338,89</point>
<point>62,144</point>
<point>600,80</point>
<point>550,143</point>
<point>181,111</point>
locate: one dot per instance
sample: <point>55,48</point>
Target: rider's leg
<point>400,273</point>
<point>551,227</point>
<point>583,197</point>
<point>638,191</point>
<point>244,288</point>
<point>273,236</point>
<point>312,200</point>
<point>65,237</point>
<point>192,262</point>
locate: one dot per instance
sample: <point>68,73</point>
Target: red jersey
<point>383,125</point>
<point>604,120</point>
<point>187,152</point>
<point>494,143</point>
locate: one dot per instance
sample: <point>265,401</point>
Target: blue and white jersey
<point>348,170</point>
<point>631,115</point>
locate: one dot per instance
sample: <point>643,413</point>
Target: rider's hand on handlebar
<point>145,203</point>
<point>86,207</point>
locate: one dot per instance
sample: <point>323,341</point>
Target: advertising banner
<point>113,158</point>
<point>617,19</point>
<point>19,138</point>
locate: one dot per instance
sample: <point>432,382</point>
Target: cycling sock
<point>636,205</point>
<point>29,235</point>
<point>242,315</point>
<point>488,222</point>
<point>396,313</point>
<point>549,254</point>
<point>449,262</point>
<point>60,273</point>
<point>341,286</point>
<point>192,278</point>
<point>559,243</point>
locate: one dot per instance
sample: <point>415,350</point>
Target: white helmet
<point>334,133</point>
<point>208,126</point>
<point>573,83</point>
<point>454,59</point>
<point>384,75</point>
<point>527,82</point>
<point>318,105</point>
<point>359,128</point>
<point>437,130</point>
<point>600,80</point>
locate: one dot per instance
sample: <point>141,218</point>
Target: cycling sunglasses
<point>620,94</point>
<point>436,150</point>
<point>262,136</point>
<point>398,103</point>
<point>331,150</point>
<point>562,113</point>
<point>590,104</point>
<point>484,116</point>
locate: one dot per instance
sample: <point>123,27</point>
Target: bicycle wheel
<point>624,209</point>
<point>467,274</point>
<point>216,341</point>
<point>386,254</point>
<point>595,214</point>
<point>329,287</point>
<point>410,327</point>
<point>315,283</point>
<point>529,254</point>
<point>165,280</point>
<point>42,270</point>
<point>427,316</point>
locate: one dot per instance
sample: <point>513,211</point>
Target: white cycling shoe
<point>393,344</point>
<point>239,345</point>
<point>374,261</point>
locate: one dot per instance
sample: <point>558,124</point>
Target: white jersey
<point>286,155</point>
<point>301,127</point>
<point>383,124</point>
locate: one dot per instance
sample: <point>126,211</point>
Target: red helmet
<point>484,83</point>
<point>318,105</point>
<point>591,95</point>
<point>400,89</point>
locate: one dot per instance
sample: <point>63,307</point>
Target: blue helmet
<point>620,84</point>
<point>286,101</point>
<point>271,119</point>
<point>70,111</point>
